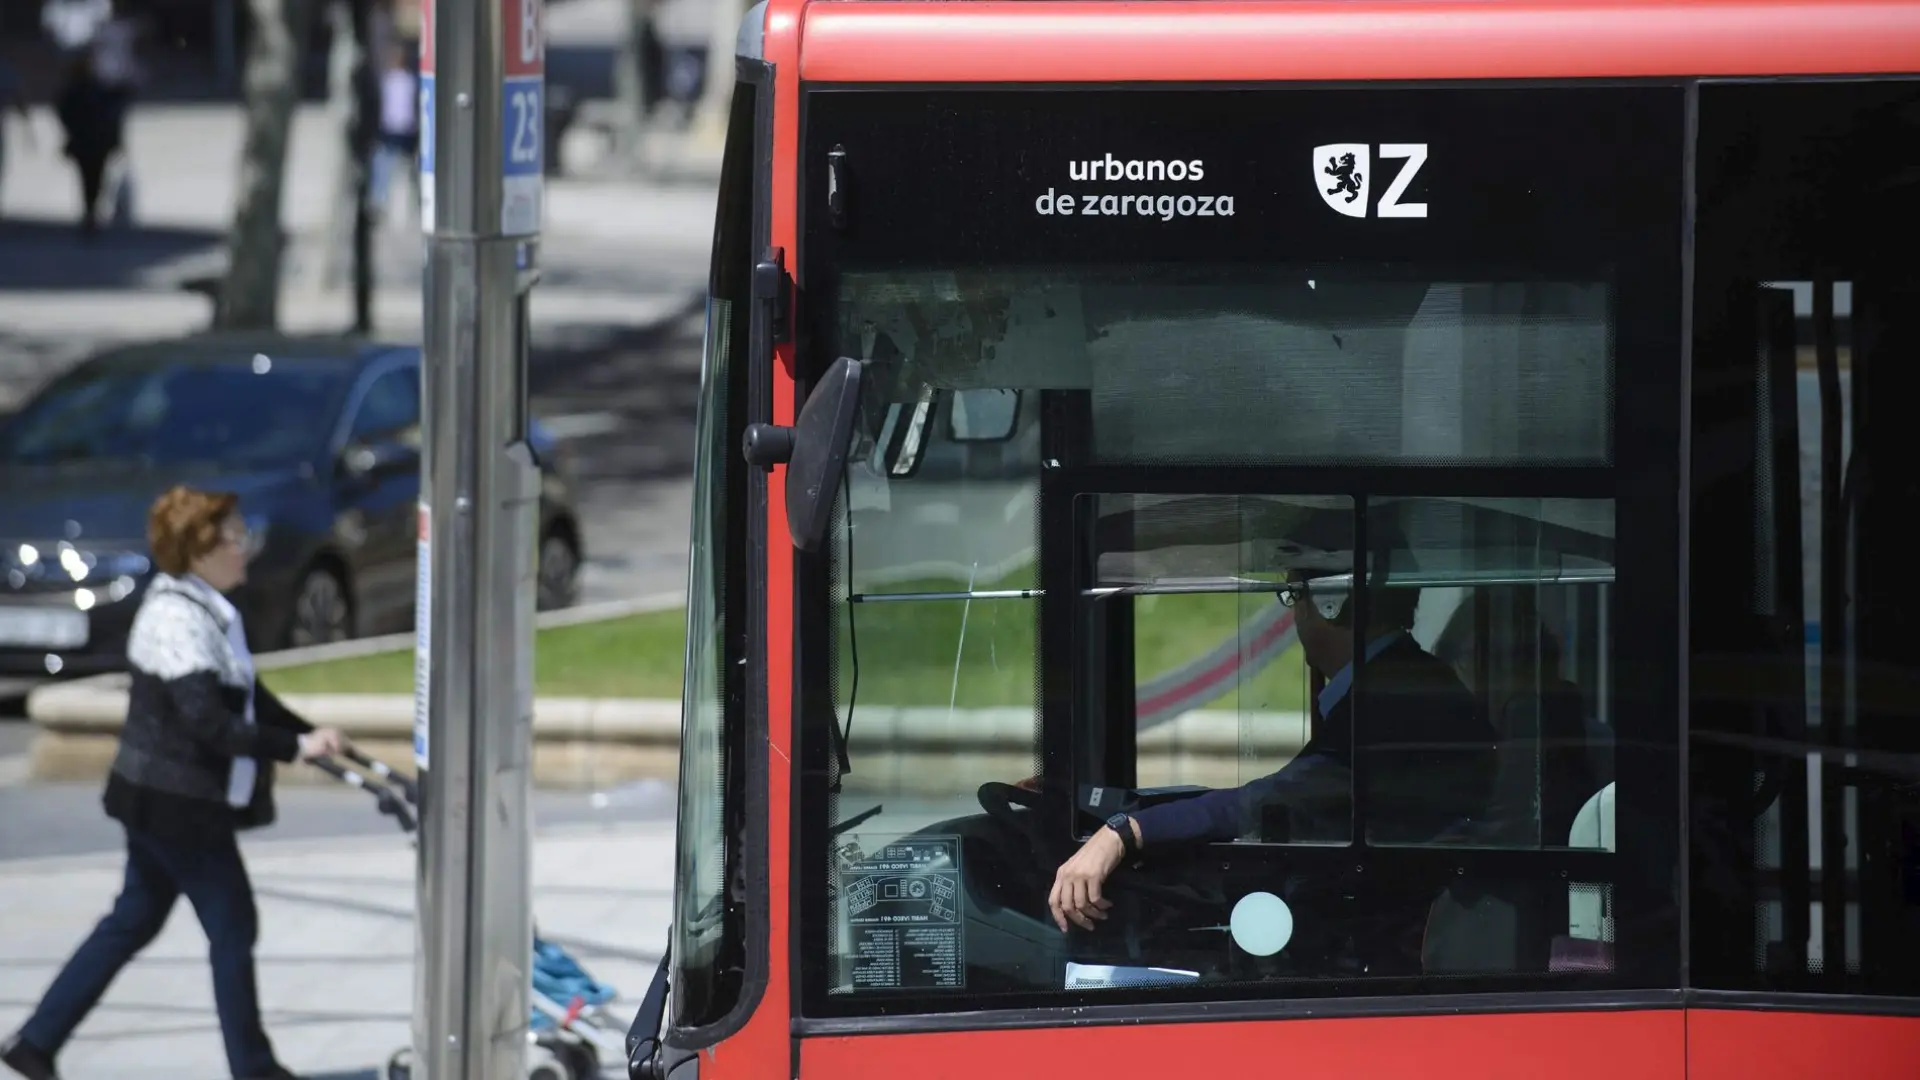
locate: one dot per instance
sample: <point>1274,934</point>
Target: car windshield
<point>259,413</point>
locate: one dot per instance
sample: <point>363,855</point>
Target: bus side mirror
<point>814,451</point>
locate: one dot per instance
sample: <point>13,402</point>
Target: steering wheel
<point>999,800</point>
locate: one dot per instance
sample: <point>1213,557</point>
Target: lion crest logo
<point>1340,173</point>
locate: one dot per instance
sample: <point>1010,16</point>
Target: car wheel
<point>322,611</point>
<point>559,573</point>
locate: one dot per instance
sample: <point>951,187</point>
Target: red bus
<point>1340,538</point>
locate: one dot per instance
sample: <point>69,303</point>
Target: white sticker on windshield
<point>904,910</point>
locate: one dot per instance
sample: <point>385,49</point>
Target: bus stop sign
<point>522,118</point>
<point>425,153</point>
<point>522,111</point>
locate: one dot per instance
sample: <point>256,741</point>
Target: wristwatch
<point>1122,824</point>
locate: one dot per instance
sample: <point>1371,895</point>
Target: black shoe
<point>27,1059</point>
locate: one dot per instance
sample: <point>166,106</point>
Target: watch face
<point>1117,822</point>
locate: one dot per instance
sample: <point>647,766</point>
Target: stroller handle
<point>400,809</point>
<point>408,789</point>
<point>326,765</point>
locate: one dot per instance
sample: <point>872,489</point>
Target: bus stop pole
<point>481,92</point>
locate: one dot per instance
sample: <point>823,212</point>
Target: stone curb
<point>269,849</point>
<point>579,743</point>
<point>594,743</point>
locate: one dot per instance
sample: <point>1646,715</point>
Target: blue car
<point>320,438</point>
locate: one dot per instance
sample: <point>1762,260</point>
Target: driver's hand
<point>1076,886</point>
<point>1031,783</point>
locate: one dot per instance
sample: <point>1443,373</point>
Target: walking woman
<point>194,767</point>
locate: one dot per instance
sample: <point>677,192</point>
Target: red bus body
<point>884,45</point>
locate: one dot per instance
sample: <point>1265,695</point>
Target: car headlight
<point>82,566</point>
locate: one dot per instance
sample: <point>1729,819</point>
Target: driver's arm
<point>1314,780</point>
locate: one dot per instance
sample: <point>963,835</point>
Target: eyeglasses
<point>1291,593</point>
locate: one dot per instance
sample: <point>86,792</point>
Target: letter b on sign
<point>530,43</point>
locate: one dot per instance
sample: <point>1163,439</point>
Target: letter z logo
<point>1343,173</point>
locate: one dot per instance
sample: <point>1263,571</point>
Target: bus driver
<point>1428,752</point>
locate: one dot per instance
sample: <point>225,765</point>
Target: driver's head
<point>1321,590</point>
<point>1320,563</point>
<point>1328,639</point>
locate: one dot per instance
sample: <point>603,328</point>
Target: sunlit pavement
<point>336,946</point>
<point>610,240</point>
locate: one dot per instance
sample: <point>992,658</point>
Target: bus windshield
<point>1160,410</point>
<point>1299,536</point>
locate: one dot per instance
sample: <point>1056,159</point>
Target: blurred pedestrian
<point>399,140</point>
<point>194,767</point>
<point>116,63</point>
<point>11,98</point>
<point>91,117</point>
<point>72,24</point>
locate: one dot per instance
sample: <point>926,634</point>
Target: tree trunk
<point>366,122</point>
<point>250,296</point>
<point>716,94</point>
<point>341,107</point>
<point>353,95</point>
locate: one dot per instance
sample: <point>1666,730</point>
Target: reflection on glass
<point>983,415</point>
<point>1196,365</point>
<point>698,925</point>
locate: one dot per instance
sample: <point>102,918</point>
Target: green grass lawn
<point>636,656</point>
<point>907,649</point>
<point>907,654</point>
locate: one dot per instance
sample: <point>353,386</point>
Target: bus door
<point>1316,444</point>
<point>1805,794</point>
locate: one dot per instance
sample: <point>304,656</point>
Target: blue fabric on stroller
<point>559,978</point>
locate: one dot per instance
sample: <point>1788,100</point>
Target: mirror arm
<point>773,287</point>
<point>767,445</point>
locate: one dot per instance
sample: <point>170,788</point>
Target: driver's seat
<point>1475,928</point>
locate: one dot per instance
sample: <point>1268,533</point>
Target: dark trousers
<point>93,178</point>
<point>208,870</point>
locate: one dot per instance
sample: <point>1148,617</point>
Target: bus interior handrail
<point>1320,583</point>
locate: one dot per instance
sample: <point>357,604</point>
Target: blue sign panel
<point>426,151</point>
<point>523,148</point>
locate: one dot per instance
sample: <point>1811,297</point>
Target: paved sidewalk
<point>335,953</point>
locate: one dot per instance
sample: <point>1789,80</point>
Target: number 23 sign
<point>522,116</point>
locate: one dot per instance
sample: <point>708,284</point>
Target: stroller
<point>571,1025</point>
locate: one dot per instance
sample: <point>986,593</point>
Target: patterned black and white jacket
<point>187,719</point>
